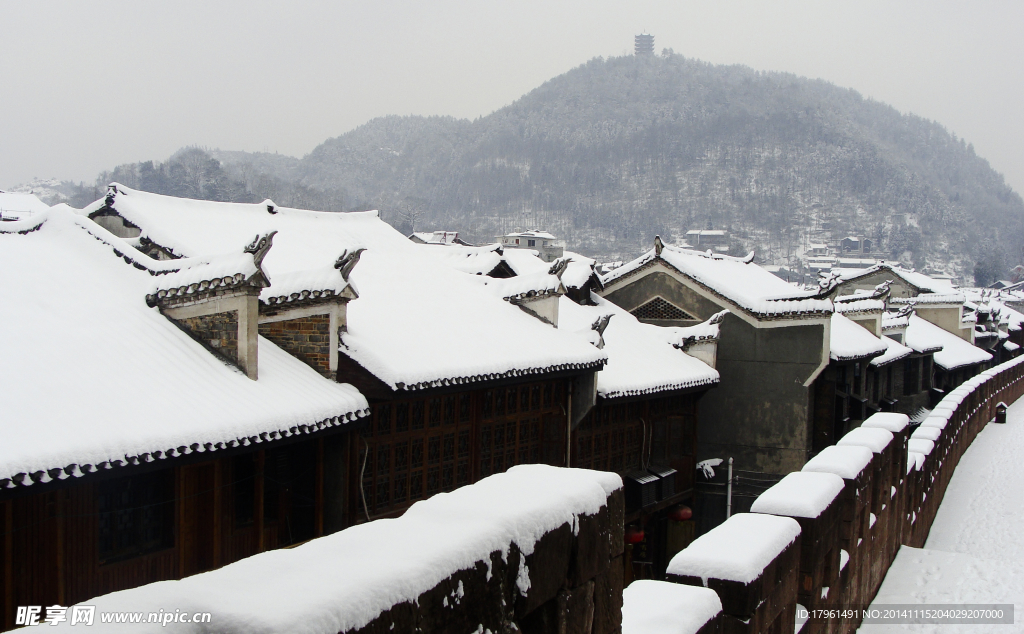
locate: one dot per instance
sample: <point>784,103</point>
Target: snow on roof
<point>436,237</point>
<point>920,281</point>
<point>1010,346</point>
<point>405,296</point>
<point>706,232</point>
<point>894,351</point>
<point>341,582</point>
<point>93,375</point>
<point>738,549</point>
<point>533,233</point>
<point>738,280</point>
<point>20,206</point>
<point>954,297</point>
<point>955,353</point>
<point>894,321</point>
<point>874,438</point>
<point>849,340</point>
<point>800,494</point>
<point>887,420</point>
<point>523,286</point>
<point>473,260</point>
<point>846,461</point>
<point>579,271</point>
<point>859,305</point>
<point>661,607</point>
<point>641,359</point>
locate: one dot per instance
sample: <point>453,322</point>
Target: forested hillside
<point>617,150</point>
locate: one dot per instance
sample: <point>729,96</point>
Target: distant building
<point>643,45</point>
<point>19,206</point>
<point>817,251</point>
<point>715,239</point>
<point>437,237</point>
<point>855,244</point>
<point>547,246</point>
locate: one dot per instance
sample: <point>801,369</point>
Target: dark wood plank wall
<point>49,542</point>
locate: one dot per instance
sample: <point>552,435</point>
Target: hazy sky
<point>85,86</point>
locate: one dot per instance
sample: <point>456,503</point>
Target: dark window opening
<point>243,488</point>
<point>136,515</point>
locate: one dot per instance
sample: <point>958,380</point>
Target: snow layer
<point>894,351</point>
<point>859,305</point>
<point>641,359</point>
<point>920,445</point>
<point>737,550</point>
<point>927,433</point>
<point>922,282</point>
<point>660,607</point>
<point>955,353</point>
<point>974,553</point>
<point>343,581</point>
<point>800,494</point>
<point>744,283</point>
<point>852,341</point>
<point>873,438</point>
<point>92,375</point>
<point>846,462</point>
<point>417,322</point>
<point>887,420</point>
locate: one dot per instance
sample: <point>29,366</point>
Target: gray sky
<point>85,86</point>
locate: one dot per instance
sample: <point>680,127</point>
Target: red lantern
<point>634,535</point>
<point>680,513</point>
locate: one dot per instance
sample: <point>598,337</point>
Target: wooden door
<point>198,518</point>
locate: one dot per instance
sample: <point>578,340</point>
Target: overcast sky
<point>85,86</point>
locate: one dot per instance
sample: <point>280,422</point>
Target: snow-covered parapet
<point>737,550</point>
<point>487,555</point>
<point>800,494</point>
<point>891,421</point>
<point>874,439</point>
<point>659,607</point>
<point>847,462</point>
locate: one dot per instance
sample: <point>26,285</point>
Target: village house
<point>546,245</point>
<point>774,345</point>
<point>15,206</point>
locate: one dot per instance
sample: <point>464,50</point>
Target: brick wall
<point>218,331</point>
<point>306,338</point>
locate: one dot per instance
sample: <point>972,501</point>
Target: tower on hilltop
<point>643,45</point>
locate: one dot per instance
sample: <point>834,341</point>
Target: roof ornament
<point>270,205</point>
<point>347,261</point>
<point>906,310</point>
<point>749,258</point>
<point>260,246</point>
<point>111,192</point>
<point>658,246</point>
<point>559,267</point>
<point>718,317</point>
<point>828,281</point>
<point>599,326</point>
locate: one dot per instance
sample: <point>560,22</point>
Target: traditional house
<point>437,237</point>
<point>19,206</point>
<point>775,343</point>
<point>149,432</point>
<point>546,245</point>
<point>956,360</point>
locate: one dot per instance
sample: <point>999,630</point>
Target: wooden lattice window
<point>610,438</point>
<point>658,308</point>
<point>135,515</point>
<point>418,447</point>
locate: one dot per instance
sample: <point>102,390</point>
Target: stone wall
<point>218,331</point>
<point>306,338</point>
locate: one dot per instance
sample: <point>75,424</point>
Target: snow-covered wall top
<point>738,549</point>
<point>641,359</point>
<point>417,321</point>
<point>846,462</point>
<point>850,341</point>
<point>873,438</point>
<point>922,282</point>
<point>887,420</point>
<point>94,376</point>
<point>955,352</point>
<point>660,607</point>
<point>740,281</point>
<point>343,581</point>
<point>800,494</point>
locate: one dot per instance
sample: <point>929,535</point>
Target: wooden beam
<point>318,496</point>
<point>61,507</point>
<point>260,541</point>
<point>8,616</point>
<point>218,503</point>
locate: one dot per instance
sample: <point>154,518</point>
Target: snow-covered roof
<point>950,297</point>
<point>661,607</point>
<point>738,549</point>
<point>737,280</point>
<point>895,321</point>
<point>846,461</point>
<point>851,306</point>
<point>641,357</point>
<point>436,237</point>
<point>955,352</point>
<point>20,206</point>
<point>533,233</point>
<point>920,281</point>
<point>341,582</point>
<point>405,298</point>
<point>706,232</point>
<point>799,494</point>
<point>850,341</point>
<point>93,377</point>
<point>894,351</point>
